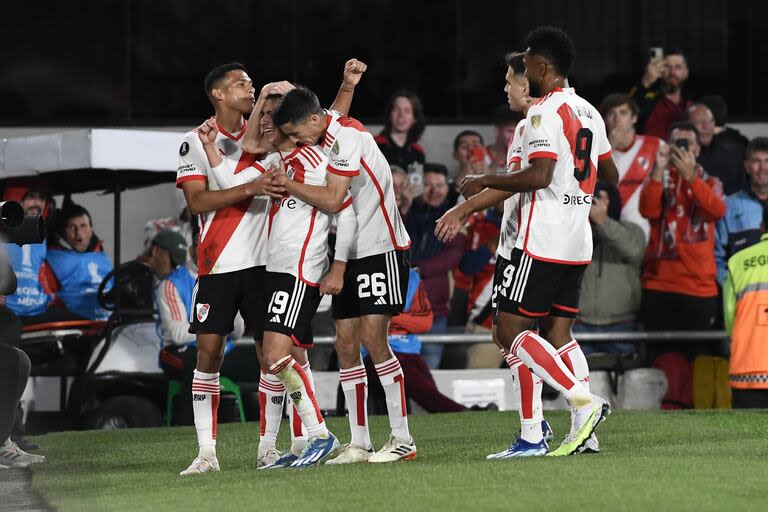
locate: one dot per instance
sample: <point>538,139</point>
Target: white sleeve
<point>174,317</point>
<point>345,154</point>
<point>193,164</point>
<point>346,229</point>
<point>542,134</point>
<point>515,151</point>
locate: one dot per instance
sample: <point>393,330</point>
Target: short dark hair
<point>755,145</point>
<point>273,96</point>
<point>419,120</point>
<point>685,126</point>
<point>503,116</point>
<point>436,169</point>
<point>72,211</point>
<point>464,133</point>
<point>554,45</point>
<point>515,61</point>
<point>617,99</point>
<point>718,106</point>
<point>676,50</point>
<point>297,105</point>
<point>216,74</point>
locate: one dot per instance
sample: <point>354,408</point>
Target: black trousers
<point>749,398</point>
<point>14,372</point>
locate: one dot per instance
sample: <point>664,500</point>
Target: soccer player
<point>564,150</point>
<point>376,275</point>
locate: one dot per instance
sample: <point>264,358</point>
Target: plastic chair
<point>226,385</point>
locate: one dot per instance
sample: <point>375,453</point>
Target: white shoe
<point>351,454</point>
<point>268,458</point>
<point>395,449</point>
<point>202,465</point>
<point>14,457</point>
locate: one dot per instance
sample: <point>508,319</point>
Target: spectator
<point>466,144</point>
<point>415,319</point>
<point>174,288</point>
<point>659,95</point>
<point>635,155</point>
<point>32,298</point>
<point>740,227</point>
<point>405,190</point>
<point>182,223</point>
<point>722,159</point>
<point>78,264</point>
<point>605,306</point>
<point>505,121</point>
<point>433,259</point>
<point>479,264</point>
<point>404,124</point>
<point>719,109</point>
<point>682,203</point>
<point>746,320</point>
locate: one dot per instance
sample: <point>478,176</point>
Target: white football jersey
<point>509,221</point>
<point>231,238</point>
<point>298,231</point>
<point>635,164</point>
<point>554,221</point>
<point>351,151</point>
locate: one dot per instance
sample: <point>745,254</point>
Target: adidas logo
<point>275,319</point>
<point>381,302</point>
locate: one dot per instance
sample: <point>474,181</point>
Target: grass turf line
<point>667,461</point>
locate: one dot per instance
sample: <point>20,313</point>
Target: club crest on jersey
<point>335,148</point>
<point>202,312</point>
<point>536,121</point>
<point>184,149</point>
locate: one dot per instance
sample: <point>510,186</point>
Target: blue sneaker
<point>284,461</point>
<point>315,451</point>
<point>547,432</point>
<point>522,448</point>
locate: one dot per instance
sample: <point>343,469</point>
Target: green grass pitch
<point>650,461</point>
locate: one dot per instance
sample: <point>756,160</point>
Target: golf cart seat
<point>60,348</point>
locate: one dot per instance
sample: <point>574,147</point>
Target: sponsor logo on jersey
<point>185,168</point>
<point>285,202</point>
<point>202,312</point>
<point>198,398</point>
<point>536,121</point>
<point>577,200</point>
<point>296,396</point>
<point>340,163</point>
<point>184,149</point>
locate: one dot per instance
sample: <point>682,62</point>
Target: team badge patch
<point>335,148</point>
<point>202,312</point>
<point>536,121</point>
<point>184,149</point>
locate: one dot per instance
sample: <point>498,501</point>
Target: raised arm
<point>353,72</point>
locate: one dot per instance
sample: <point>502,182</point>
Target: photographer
<point>682,204</point>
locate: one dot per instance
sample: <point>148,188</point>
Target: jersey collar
<point>229,135</point>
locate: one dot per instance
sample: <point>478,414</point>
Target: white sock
<point>300,390</point>
<point>205,406</point>
<point>392,380</point>
<point>271,398</point>
<point>527,388</point>
<point>298,430</point>
<point>354,383</point>
<point>573,358</point>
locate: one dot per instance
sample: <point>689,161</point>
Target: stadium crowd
<point>691,195</point>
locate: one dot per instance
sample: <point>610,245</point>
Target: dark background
<point>125,62</point>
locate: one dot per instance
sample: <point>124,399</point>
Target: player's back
<point>352,151</point>
<point>554,224</point>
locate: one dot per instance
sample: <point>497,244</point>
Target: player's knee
<point>347,350</point>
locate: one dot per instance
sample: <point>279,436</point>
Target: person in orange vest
<point>745,305</point>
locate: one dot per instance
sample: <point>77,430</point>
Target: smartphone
<point>656,52</point>
<point>416,177</point>
<point>682,143</point>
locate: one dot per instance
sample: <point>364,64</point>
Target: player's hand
<point>333,281</point>
<point>353,72</point>
<point>208,131</point>
<point>653,71</point>
<point>684,162</point>
<point>598,212</point>
<point>282,88</point>
<point>280,174</point>
<point>265,185</point>
<point>471,185</point>
<point>450,224</point>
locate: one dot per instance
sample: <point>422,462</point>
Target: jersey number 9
<point>582,151</point>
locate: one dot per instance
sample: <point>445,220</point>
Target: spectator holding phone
<point>682,203</point>
<point>659,95</point>
<point>404,124</point>
<point>406,187</point>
